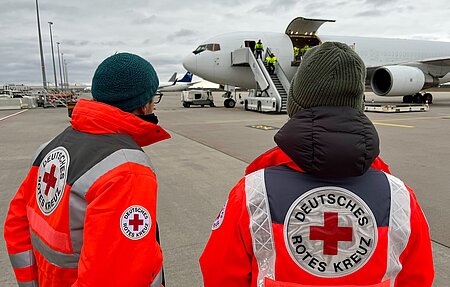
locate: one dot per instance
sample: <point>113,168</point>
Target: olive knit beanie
<point>331,74</point>
<point>125,81</point>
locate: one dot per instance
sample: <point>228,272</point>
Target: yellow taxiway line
<point>392,125</point>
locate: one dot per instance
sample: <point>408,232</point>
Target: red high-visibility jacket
<point>229,258</point>
<point>85,215</point>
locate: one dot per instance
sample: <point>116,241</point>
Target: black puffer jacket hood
<point>330,141</point>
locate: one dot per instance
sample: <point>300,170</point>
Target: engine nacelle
<point>397,81</point>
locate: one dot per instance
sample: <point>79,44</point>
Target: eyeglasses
<point>157,98</point>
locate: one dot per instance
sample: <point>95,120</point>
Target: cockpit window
<point>199,49</point>
<point>209,47</point>
<point>216,47</point>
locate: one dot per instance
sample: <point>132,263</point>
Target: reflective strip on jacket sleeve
<point>77,211</point>
<point>33,283</point>
<point>260,225</point>
<point>78,205</point>
<point>157,282</point>
<point>399,227</point>
<point>22,259</point>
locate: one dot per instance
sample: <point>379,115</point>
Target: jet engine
<point>397,81</point>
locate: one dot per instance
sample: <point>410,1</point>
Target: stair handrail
<point>282,77</point>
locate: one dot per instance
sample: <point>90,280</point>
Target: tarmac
<point>207,155</point>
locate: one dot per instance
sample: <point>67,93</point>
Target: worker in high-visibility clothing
<point>296,53</point>
<point>259,49</point>
<point>321,209</point>
<point>271,61</point>
<point>303,50</point>
<point>85,215</point>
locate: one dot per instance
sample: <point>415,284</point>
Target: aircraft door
<point>250,44</point>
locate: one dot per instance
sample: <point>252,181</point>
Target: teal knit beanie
<point>125,81</point>
<point>331,74</point>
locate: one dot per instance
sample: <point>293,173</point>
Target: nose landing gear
<point>229,101</point>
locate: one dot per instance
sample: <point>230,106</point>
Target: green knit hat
<point>125,81</point>
<point>331,74</point>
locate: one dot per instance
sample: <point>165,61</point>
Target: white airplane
<point>175,85</point>
<point>395,67</point>
<point>171,81</point>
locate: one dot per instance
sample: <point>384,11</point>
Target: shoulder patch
<point>330,232</point>
<point>135,222</point>
<point>218,222</point>
<point>51,181</point>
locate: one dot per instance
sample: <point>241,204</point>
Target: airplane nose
<point>190,63</point>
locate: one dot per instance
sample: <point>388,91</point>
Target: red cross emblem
<point>330,233</point>
<point>136,222</point>
<point>50,179</point>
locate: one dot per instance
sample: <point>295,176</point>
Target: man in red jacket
<point>85,215</point>
<point>321,209</point>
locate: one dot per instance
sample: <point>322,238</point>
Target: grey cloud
<point>183,33</point>
<point>378,3</point>
<point>274,6</point>
<point>370,13</point>
<point>163,32</point>
<point>146,20</point>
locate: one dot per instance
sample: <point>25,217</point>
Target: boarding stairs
<point>280,88</point>
<point>275,85</point>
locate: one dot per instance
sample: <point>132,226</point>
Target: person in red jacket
<point>85,215</point>
<point>321,209</point>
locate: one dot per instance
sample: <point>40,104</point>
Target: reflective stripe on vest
<point>157,282</point>
<point>23,259</point>
<point>399,227</point>
<point>260,225</point>
<point>77,201</point>
<point>33,283</point>
<point>77,211</point>
<point>56,258</point>
<point>262,235</point>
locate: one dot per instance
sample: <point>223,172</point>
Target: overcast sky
<point>163,32</point>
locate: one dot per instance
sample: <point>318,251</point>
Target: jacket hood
<point>99,118</point>
<point>330,141</point>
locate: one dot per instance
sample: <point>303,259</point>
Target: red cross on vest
<point>136,222</point>
<point>330,233</point>
<point>50,179</point>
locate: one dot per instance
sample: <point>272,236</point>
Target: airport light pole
<point>63,70</point>
<point>53,54</point>
<point>44,78</point>
<point>67,75</point>
<point>59,62</point>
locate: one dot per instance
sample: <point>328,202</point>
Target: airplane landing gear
<point>229,102</point>
<point>418,99</point>
<point>408,99</point>
<point>427,98</point>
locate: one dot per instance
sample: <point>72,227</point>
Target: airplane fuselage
<point>215,66</point>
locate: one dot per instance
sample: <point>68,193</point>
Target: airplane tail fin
<point>187,78</point>
<point>173,78</point>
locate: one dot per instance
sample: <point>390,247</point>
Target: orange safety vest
<point>85,215</point>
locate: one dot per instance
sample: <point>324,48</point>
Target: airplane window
<point>216,47</point>
<point>199,49</point>
<point>210,47</point>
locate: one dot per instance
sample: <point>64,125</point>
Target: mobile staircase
<point>273,88</point>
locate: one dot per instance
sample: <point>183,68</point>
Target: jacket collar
<point>330,141</point>
<point>99,118</point>
<point>276,157</point>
